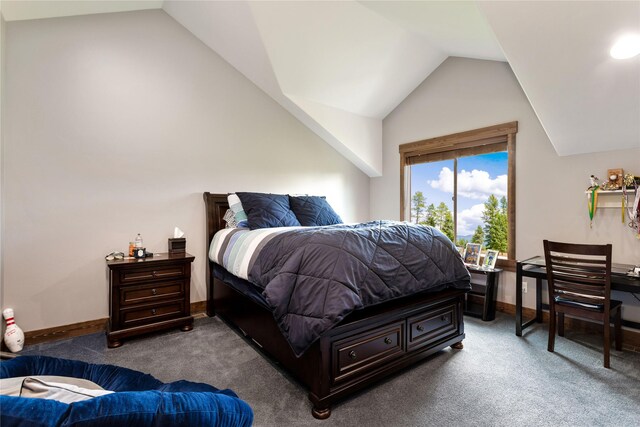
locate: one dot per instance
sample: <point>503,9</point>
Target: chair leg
<point>618,329</point>
<point>561,324</point>
<point>607,342</point>
<point>552,330</point>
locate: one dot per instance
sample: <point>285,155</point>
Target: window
<point>464,184</point>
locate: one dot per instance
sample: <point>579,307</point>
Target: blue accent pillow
<point>313,211</point>
<point>268,210</point>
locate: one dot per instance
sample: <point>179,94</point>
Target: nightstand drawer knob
<point>420,328</point>
<point>387,340</point>
<point>154,273</point>
<point>443,318</point>
<point>154,292</point>
<point>153,311</point>
<point>352,354</point>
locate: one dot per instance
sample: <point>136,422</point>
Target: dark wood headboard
<point>215,205</point>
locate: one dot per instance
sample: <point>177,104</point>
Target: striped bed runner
<point>236,249</point>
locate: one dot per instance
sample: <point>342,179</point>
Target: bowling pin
<point>13,335</point>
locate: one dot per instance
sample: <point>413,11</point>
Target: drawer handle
<point>352,354</point>
<point>153,311</point>
<point>154,292</point>
<point>154,273</point>
<point>443,318</point>
<point>420,328</point>
<point>387,340</point>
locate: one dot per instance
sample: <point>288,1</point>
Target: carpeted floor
<point>498,379</point>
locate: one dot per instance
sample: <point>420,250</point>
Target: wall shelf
<point>611,198</point>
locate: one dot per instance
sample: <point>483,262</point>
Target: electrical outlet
<point>524,287</point>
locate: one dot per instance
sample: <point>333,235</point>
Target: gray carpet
<point>497,379</point>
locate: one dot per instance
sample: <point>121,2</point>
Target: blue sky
<point>478,177</point>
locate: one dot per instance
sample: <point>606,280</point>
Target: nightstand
<point>480,301</point>
<point>147,295</point>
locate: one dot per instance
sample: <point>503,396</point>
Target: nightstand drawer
<point>432,326</point>
<point>142,294</point>
<point>158,273</point>
<point>151,313</point>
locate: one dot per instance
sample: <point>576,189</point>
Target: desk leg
<point>538,300</point>
<point>518,299</point>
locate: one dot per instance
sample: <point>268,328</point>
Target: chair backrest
<point>579,272</point>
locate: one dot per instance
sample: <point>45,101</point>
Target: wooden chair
<point>579,280</point>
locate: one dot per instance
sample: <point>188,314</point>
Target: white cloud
<point>476,184</point>
<point>470,219</point>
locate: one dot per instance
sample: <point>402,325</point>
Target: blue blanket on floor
<point>141,400</point>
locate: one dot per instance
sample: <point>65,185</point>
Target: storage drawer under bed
<point>365,350</point>
<point>432,326</point>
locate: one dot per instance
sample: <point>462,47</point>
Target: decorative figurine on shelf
<point>13,335</point>
<point>615,180</point>
<point>592,197</point>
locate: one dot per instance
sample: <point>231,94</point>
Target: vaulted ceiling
<point>341,67</point>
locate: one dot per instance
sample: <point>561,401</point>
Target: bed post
<point>215,207</point>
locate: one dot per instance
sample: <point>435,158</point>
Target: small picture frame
<point>490,259</point>
<point>472,253</point>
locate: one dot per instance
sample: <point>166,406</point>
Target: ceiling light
<point>626,47</point>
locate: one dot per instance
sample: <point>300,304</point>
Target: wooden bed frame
<point>366,346</point>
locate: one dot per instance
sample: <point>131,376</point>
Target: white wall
<point>2,75</point>
<point>116,124</point>
<point>465,94</point>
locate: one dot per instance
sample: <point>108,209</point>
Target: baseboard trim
<point>631,339</point>
<point>66,331</point>
<point>198,309</point>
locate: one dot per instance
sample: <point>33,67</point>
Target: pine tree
<point>502,226</point>
<point>447,227</point>
<point>444,220</point>
<point>503,205</point>
<point>431,216</point>
<point>419,203</point>
<point>495,224</point>
<point>478,235</point>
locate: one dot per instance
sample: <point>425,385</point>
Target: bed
<point>366,345</point>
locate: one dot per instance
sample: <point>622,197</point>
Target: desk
<point>536,267</point>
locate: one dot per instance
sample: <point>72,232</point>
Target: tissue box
<point>177,245</point>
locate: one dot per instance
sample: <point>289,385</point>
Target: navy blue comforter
<point>314,277</point>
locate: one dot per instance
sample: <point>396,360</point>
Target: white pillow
<point>62,389</point>
<point>239,215</point>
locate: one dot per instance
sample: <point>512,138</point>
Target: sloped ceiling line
<point>341,67</point>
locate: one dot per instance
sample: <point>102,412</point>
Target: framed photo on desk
<point>490,259</point>
<point>472,253</point>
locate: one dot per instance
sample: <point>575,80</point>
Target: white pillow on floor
<point>62,389</point>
